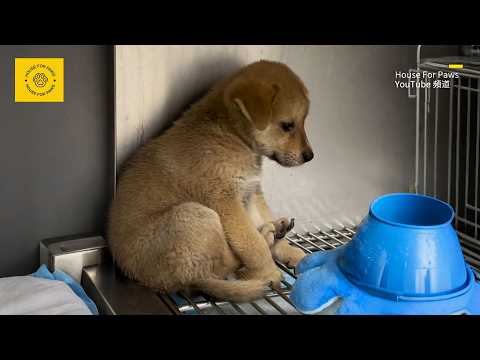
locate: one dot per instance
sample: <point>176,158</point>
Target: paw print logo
<point>40,79</point>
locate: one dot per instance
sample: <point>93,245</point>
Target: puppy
<point>189,209</point>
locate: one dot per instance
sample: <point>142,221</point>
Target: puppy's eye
<point>287,126</point>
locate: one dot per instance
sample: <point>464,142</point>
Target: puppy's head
<point>274,103</point>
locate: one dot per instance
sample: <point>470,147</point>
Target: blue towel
<point>44,273</point>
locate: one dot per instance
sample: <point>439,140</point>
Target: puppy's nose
<point>307,156</point>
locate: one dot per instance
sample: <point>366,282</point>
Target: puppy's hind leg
<point>174,248</point>
<point>199,233</point>
<point>195,248</point>
<point>185,249</point>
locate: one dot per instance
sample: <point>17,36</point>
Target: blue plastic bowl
<point>406,248</point>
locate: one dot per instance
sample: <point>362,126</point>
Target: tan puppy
<point>189,210</point>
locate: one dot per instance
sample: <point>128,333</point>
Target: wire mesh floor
<point>277,302</point>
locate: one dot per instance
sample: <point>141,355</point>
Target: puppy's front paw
<point>293,257</point>
<point>287,254</point>
<point>282,227</point>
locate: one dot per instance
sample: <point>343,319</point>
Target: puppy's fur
<point>189,210</point>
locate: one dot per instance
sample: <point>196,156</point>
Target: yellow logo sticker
<point>39,79</point>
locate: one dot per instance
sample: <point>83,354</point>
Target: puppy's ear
<point>254,99</point>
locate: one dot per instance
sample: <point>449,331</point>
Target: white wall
<point>362,129</point>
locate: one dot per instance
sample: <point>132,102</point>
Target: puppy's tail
<point>232,290</point>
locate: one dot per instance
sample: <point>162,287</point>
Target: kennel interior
<point>369,138</point>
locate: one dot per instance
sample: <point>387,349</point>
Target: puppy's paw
<point>275,278</point>
<point>293,257</point>
<point>287,254</point>
<point>282,227</point>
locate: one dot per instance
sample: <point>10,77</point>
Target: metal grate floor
<point>277,302</point>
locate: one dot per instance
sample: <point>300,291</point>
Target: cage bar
<point>460,150</point>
